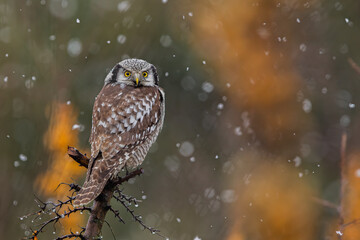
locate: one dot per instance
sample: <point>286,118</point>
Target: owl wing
<point>123,119</point>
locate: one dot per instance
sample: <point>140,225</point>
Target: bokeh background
<point>258,95</point>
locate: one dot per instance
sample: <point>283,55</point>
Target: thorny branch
<point>73,235</point>
<point>97,212</point>
<point>137,218</point>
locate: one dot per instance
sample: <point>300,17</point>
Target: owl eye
<point>145,74</point>
<point>127,74</point>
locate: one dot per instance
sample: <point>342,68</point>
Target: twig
<point>119,180</point>
<point>73,235</point>
<point>112,232</point>
<point>80,158</point>
<point>350,223</point>
<point>343,182</point>
<point>129,199</point>
<point>72,186</point>
<point>326,203</point>
<point>117,214</point>
<point>57,218</point>
<point>137,218</point>
<point>354,65</point>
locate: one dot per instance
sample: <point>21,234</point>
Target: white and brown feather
<point>126,122</point>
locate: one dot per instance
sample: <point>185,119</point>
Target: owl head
<point>133,72</point>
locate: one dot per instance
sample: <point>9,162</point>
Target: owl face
<point>133,72</point>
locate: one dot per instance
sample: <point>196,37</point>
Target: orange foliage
<point>62,169</point>
<point>274,204</point>
<point>351,202</point>
<point>239,40</point>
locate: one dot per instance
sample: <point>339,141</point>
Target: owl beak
<point>137,79</point>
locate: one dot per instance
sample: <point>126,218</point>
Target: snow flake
<point>121,38</point>
<point>237,131</point>
<point>228,196</point>
<point>307,106</point>
<point>297,161</point>
<point>165,41</point>
<point>79,127</point>
<point>303,47</point>
<point>123,6</point>
<point>74,47</point>
<point>207,87</point>
<point>220,106</point>
<point>186,149</point>
<point>23,157</point>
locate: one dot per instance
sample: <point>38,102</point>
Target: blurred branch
<point>326,203</point>
<point>343,182</point>
<point>354,65</point>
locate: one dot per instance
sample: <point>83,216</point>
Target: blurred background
<point>258,95</point>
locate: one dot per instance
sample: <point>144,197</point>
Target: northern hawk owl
<point>127,117</point>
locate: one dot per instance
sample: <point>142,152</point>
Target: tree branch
<point>80,158</point>
<point>97,212</point>
<point>101,204</point>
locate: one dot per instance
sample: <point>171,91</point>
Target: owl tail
<point>95,182</point>
<point>89,191</point>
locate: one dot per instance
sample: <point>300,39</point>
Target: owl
<point>127,117</point>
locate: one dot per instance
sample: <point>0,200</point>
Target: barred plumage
<point>128,115</point>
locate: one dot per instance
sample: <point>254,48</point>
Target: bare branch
<point>354,65</point>
<point>112,232</point>
<point>73,235</point>
<point>117,214</point>
<point>137,218</point>
<point>326,203</point>
<point>57,219</point>
<point>98,211</point>
<point>80,158</point>
<point>343,180</point>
